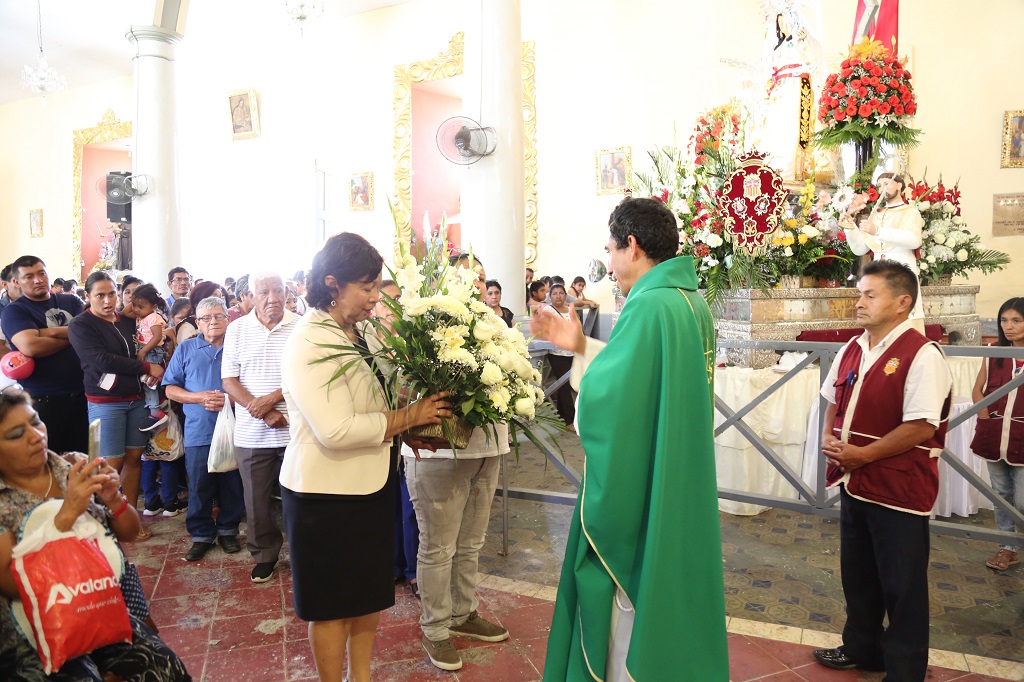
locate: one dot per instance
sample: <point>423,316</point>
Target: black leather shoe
<point>229,543</point>
<point>838,660</point>
<point>198,550</point>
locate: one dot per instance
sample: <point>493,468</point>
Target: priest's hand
<point>846,456</point>
<point>546,324</point>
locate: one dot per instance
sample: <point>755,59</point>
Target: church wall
<point>36,166</point>
<point>608,74</point>
<point>436,180</point>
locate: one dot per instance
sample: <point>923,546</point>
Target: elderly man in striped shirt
<point>251,371</point>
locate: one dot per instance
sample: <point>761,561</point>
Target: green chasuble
<point>646,519</point>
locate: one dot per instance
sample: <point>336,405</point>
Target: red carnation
<point>872,194</point>
<point>841,236</point>
<point>663,197</point>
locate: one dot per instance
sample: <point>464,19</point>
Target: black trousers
<point>67,421</point>
<point>884,559</point>
<point>564,398</point>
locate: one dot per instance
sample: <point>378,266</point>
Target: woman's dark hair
<point>96,277</point>
<point>536,286</point>
<point>203,290</point>
<point>457,258</point>
<point>12,397</point>
<point>127,282</point>
<point>492,283</point>
<point>182,304</point>
<point>1016,304</point>
<point>650,222</point>
<point>557,286</point>
<point>578,280</point>
<point>148,293</point>
<point>348,258</point>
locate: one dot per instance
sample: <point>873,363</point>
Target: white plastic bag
<point>222,449</point>
<point>166,445</point>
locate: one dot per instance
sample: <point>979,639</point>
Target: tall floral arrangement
<point>689,181</point>
<point>871,98</point>
<point>948,248</point>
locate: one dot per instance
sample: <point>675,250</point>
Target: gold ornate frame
<point>109,129</point>
<point>1007,160</point>
<point>627,152</point>
<point>446,65</point>
<point>249,97</point>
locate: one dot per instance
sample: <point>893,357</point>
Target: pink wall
<point>436,181</point>
<point>96,163</point>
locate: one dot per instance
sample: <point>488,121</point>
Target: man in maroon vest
<point>885,426</point>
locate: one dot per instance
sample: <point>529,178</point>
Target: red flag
<point>878,19</point>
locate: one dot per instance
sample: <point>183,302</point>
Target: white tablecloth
<point>956,495</point>
<point>782,422</point>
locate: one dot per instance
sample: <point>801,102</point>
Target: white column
<point>493,189</point>
<point>156,228</point>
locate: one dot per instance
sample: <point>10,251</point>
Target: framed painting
<point>360,192</point>
<point>1013,139</point>
<point>245,118</point>
<point>614,169</point>
<point>35,223</point>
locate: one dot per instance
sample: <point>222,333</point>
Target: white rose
<point>526,408</point>
<point>931,259</point>
<point>811,231</point>
<point>490,374</point>
<point>939,238</point>
<point>714,240</point>
<point>948,207</point>
<point>483,331</point>
<point>961,255</point>
<point>507,360</point>
<point>924,267</point>
<point>924,205</point>
<point>788,251</point>
<point>523,368</point>
<point>958,220</point>
<point>415,307</point>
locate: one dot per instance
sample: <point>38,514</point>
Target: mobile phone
<point>94,439</point>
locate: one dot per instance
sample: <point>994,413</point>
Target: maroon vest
<point>910,480</point>
<point>988,435</point>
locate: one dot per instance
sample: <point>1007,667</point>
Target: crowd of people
<point>366,505</point>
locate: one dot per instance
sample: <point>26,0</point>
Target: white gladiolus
<point>490,374</point>
<point>961,255</point>
<point>415,307</point>
<point>409,278</point>
<point>924,205</point>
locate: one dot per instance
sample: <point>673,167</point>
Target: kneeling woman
<point>30,474</point>
<point>340,469</point>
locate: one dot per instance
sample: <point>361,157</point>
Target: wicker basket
<point>459,429</point>
<point>942,281</point>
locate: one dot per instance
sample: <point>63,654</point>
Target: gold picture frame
<point>613,169</point>
<point>35,223</point>
<point>446,65</point>
<point>1013,139</point>
<point>245,117</point>
<point>360,192</point>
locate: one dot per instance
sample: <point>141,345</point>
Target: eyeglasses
<point>182,279</point>
<point>220,317</point>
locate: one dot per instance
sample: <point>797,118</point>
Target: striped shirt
<point>252,354</point>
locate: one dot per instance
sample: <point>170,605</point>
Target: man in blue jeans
<point>193,379</point>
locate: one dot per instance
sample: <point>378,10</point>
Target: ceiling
<point>84,39</point>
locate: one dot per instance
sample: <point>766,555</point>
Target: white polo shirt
<point>252,354</point>
<point>928,380</point>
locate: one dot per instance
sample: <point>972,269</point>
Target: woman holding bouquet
<point>339,471</point>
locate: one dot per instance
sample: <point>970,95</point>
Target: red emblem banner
<point>752,200</point>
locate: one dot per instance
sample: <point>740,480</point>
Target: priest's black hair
<point>650,222</point>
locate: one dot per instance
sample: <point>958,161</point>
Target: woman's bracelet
<point>114,514</point>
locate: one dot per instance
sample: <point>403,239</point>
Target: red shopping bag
<point>71,597</point>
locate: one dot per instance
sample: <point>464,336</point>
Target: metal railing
<point>818,499</point>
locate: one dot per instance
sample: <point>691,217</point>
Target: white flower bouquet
<point>446,339</point>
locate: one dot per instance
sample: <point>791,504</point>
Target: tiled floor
<point>227,629</point>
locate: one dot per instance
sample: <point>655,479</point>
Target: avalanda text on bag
<point>166,445</point>
<point>71,597</point>
<point>222,449</point>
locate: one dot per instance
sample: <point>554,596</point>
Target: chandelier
<point>42,78</point>
<point>302,11</point>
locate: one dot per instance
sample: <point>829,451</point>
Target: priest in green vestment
<point>641,595</point>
